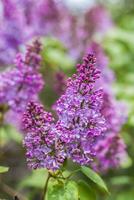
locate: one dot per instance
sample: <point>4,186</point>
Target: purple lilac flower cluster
<point>45,148</point>
<point>110,152</point>
<point>23,82</point>
<point>100,20</point>
<point>12,27</point>
<point>110,148</point>
<point>21,20</point>
<point>79,123</point>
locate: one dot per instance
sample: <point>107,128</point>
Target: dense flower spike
<point>12,27</point>
<point>46,22</point>
<point>32,57</point>
<point>107,75</point>
<point>21,83</point>
<point>44,147</point>
<point>79,122</point>
<point>100,20</point>
<point>111,150</point>
<point>79,111</point>
<point>112,111</point>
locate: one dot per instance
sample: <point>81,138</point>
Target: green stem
<point>77,170</point>
<point>45,187</point>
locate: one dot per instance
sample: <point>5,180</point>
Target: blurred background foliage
<point>118,44</point>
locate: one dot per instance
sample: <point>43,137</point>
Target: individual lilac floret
<point>78,110</point>
<point>44,147</point>
<point>21,83</point>
<point>110,152</point>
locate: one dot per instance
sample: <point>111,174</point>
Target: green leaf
<point>62,190</point>
<point>121,180</point>
<point>85,192</point>
<point>71,191</point>
<point>3,169</point>
<point>93,176</point>
<point>37,179</point>
<point>125,195</point>
<point>8,133</point>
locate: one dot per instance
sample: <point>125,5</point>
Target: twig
<point>10,191</point>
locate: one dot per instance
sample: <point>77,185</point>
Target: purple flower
<point>102,63</point>
<point>44,147</point>
<point>46,17</point>
<point>111,150</point>
<point>97,20</point>
<point>112,111</point>
<point>23,82</point>
<point>11,31</point>
<point>79,122</point>
<point>78,110</point>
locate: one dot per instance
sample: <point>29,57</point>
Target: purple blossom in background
<point>23,82</point>
<point>102,63</point>
<point>60,82</point>
<point>112,111</point>
<point>97,20</point>
<point>12,27</point>
<point>21,20</point>
<point>79,123</point>
<point>46,17</point>
<point>111,150</point>
<point>110,156</point>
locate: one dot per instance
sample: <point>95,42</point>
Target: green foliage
<point>62,190</point>
<point>121,180</point>
<point>8,133</point>
<point>85,192</point>
<point>94,177</point>
<point>55,55</point>
<point>37,179</point>
<point>3,169</point>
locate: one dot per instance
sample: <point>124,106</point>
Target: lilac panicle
<point>110,152</point>
<point>32,57</point>
<point>12,28</point>
<point>112,111</point>
<point>46,17</point>
<point>42,140</point>
<point>23,82</point>
<point>98,20</point>
<point>111,147</point>
<point>107,75</point>
<point>78,110</point>
<point>79,122</point>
